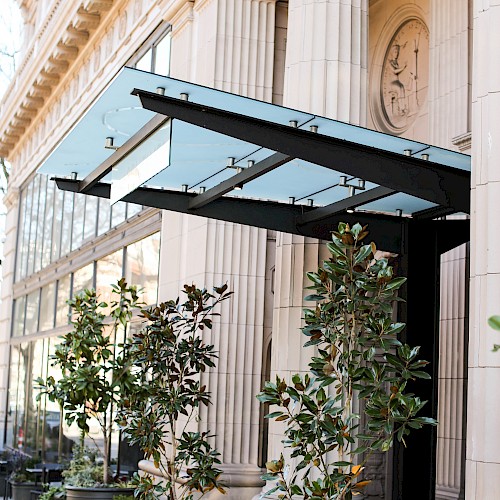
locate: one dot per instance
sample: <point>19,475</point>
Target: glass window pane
<point>63,295</point>
<point>144,63</point>
<point>11,420</point>
<point>21,243</point>
<point>53,418</point>
<point>17,390</point>
<point>26,230</point>
<point>78,218</point>
<point>57,225</point>
<point>47,307</point>
<point>34,428</point>
<point>33,225</point>
<point>82,279</point>
<point>90,217</point>
<point>118,213</point>
<point>104,216</point>
<point>162,56</point>
<point>47,233</point>
<point>19,315</point>
<point>41,222</point>
<point>142,266</point>
<point>133,209</point>
<point>67,223</point>
<point>32,301</point>
<point>109,271</point>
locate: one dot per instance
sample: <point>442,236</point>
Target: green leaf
<point>363,253</point>
<point>494,322</point>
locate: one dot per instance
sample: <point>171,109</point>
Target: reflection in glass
<point>33,226</point>
<point>41,222</point>
<point>109,270</point>
<point>133,209</point>
<point>53,446</point>
<point>57,225</point>
<point>47,307</point>
<point>104,216</point>
<point>19,315</point>
<point>118,211</point>
<point>142,266</point>
<point>89,230</point>
<point>31,323</point>
<point>47,233</point>
<point>67,222</point>
<point>78,217</point>
<point>17,392</point>
<point>162,56</point>
<point>63,295</point>
<point>82,279</point>
<point>144,63</point>
<point>21,244</point>
<point>11,420</point>
<point>26,230</point>
<point>35,368</point>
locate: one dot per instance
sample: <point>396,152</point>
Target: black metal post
<point>414,466</point>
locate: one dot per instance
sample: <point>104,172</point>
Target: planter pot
<point>77,493</point>
<point>22,491</point>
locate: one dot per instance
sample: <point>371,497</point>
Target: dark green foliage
<point>168,356</point>
<point>357,355</point>
<point>95,375</point>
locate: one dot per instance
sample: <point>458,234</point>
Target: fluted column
<point>325,73</point>
<point>452,375</point>
<point>449,127</point>
<point>210,253</point>
<point>226,44</point>
<point>449,74</point>
<point>229,45</point>
<point>326,60</point>
<point>483,405</point>
<point>11,201</point>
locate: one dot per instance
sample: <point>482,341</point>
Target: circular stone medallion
<point>405,75</point>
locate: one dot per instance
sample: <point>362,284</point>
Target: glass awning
<point>149,137</point>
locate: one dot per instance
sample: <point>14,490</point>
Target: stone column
<point>11,202</point>
<point>449,127</point>
<point>483,406</point>
<point>210,253</point>
<point>326,58</point>
<point>229,45</point>
<point>325,73</point>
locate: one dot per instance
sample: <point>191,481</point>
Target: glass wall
<point>46,307</point>
<point>36,424</point>
<point>55,222</point>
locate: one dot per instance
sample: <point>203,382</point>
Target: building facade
<point>420,69</point>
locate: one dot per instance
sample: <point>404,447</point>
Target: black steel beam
<point>443,185</point>
<point>386,231</point>
<point>345,204</point>
<point>247,175</point>
<point>106,166</point>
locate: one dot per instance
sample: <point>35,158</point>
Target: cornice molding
<point>46,60</point>
<point>463,142</point>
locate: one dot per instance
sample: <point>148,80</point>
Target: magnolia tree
<point>168,355</point>
<point>357,355</point>
<point>95,375</point>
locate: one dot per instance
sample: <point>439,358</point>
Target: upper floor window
<point>154,55</point>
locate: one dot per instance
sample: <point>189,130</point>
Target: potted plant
<point>94,380</point>
<point>168,355</point>
<point>21,480</point>
<point>358,355</point>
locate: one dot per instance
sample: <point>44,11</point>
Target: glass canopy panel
<point>199,157</point>
<point>142,163</point>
